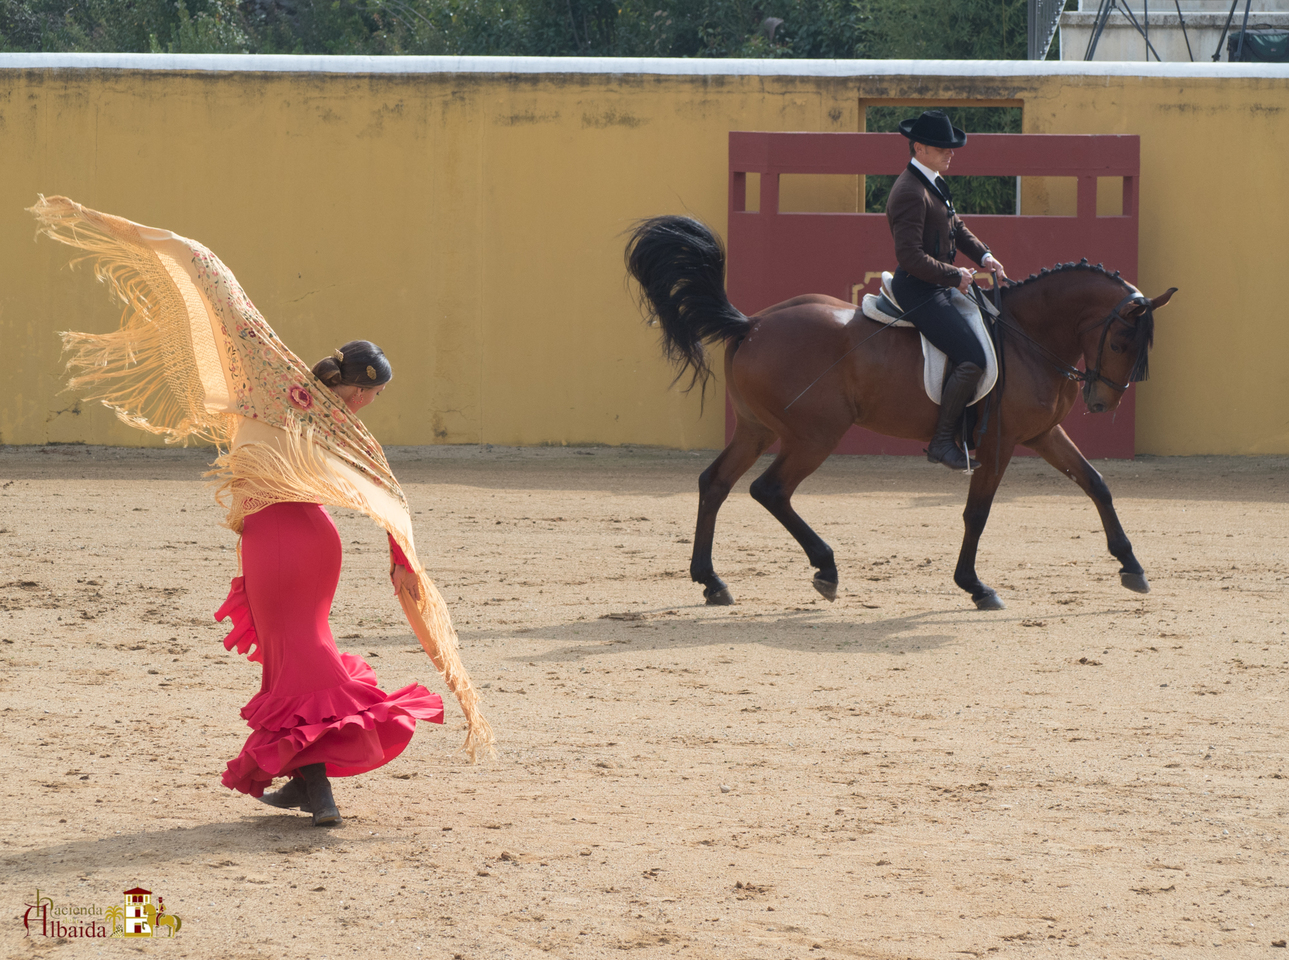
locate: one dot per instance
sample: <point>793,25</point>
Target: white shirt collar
<point>924,169</point>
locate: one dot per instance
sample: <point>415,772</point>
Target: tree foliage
<point>933,29</point>
<point>950,29</point>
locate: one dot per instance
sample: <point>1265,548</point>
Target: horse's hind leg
<point>773,490</point>
<point>1059,450</point>
<point>750,440</point>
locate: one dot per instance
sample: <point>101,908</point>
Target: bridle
<point>1093,374</point>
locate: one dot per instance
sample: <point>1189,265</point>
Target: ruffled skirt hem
<point>348,745</point>
<point>352,727</point>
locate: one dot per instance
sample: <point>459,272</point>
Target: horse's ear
<point>1163,298</point>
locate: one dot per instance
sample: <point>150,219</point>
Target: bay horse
<point>803,371</point>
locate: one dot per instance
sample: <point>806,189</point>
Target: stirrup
<point>966,448</point>
<point>967,468</point>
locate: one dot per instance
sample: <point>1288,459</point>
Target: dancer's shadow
<point>222,847</point>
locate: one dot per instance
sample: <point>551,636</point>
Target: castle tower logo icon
<point>137,921</point>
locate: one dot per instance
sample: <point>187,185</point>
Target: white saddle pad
<point>934,360</point>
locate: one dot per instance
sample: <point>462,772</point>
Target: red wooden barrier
<point>775,255</point>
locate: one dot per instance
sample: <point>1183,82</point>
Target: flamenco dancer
<point>193,359</point>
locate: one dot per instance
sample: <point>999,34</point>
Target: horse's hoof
<point>989,601</point>
<point>720,597</point>
<point>1136,582</point>
<point>827,588</point>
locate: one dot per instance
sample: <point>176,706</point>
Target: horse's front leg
<point>749,442</point>
<point>1059,450</point>
<point>980,498</point>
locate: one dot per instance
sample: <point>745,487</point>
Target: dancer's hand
<point>404,579</point>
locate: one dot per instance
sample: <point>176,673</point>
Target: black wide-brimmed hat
<point>934,129</point>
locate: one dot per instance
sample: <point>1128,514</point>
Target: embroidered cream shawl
<point>193,358</point>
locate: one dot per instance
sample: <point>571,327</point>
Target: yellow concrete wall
<point>471,224</point>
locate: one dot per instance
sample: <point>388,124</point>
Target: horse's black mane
<point>1143,330</point>
<point>1065,268</point>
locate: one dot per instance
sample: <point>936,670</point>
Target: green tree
<point>935,29</point>
<point>950,29</point>
<point>215,29</point>
<point>629,28</point>
<point>748,28</point>
<point>117,26</point>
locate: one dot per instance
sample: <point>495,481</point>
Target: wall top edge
<point>626,66</point>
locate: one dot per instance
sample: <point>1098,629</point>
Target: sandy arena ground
<point>1089,773</point>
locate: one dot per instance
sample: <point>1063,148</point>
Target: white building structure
<point>1160,23</point>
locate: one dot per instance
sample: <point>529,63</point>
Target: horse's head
<point>1116,351</point>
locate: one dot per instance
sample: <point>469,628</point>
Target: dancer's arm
<point>401,574</point>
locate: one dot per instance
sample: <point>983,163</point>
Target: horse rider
<point>928,235</point>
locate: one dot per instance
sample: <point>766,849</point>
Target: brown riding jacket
<point>926,238</point>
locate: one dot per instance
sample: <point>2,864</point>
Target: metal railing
<point>1044,15</point>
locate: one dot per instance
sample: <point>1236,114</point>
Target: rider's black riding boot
<point>321,803</point>
<point>959,388</point>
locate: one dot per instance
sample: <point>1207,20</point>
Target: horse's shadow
<point>671,629</point>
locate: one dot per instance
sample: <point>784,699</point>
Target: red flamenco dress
<point>316,704</point>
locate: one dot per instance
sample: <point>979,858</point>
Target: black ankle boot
<point>321,803</point>
<point>293,796</point>
<point>959,388</point>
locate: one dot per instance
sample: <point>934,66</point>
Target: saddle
<point>884,308</point>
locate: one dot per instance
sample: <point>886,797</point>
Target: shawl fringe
<point>253,476</point>
<point>143,371</point>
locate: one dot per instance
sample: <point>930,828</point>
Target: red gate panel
<point>775,255</point>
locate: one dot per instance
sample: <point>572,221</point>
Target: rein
<point>1093,374</point>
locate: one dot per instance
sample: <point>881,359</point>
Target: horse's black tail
<point>680,266</point>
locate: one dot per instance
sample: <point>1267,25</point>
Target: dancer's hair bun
<point>359,362</point>
<point>328,371</point>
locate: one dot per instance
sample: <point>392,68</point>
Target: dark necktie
<point>943,188</point>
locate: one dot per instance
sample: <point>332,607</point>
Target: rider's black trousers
<point>937,318</point>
